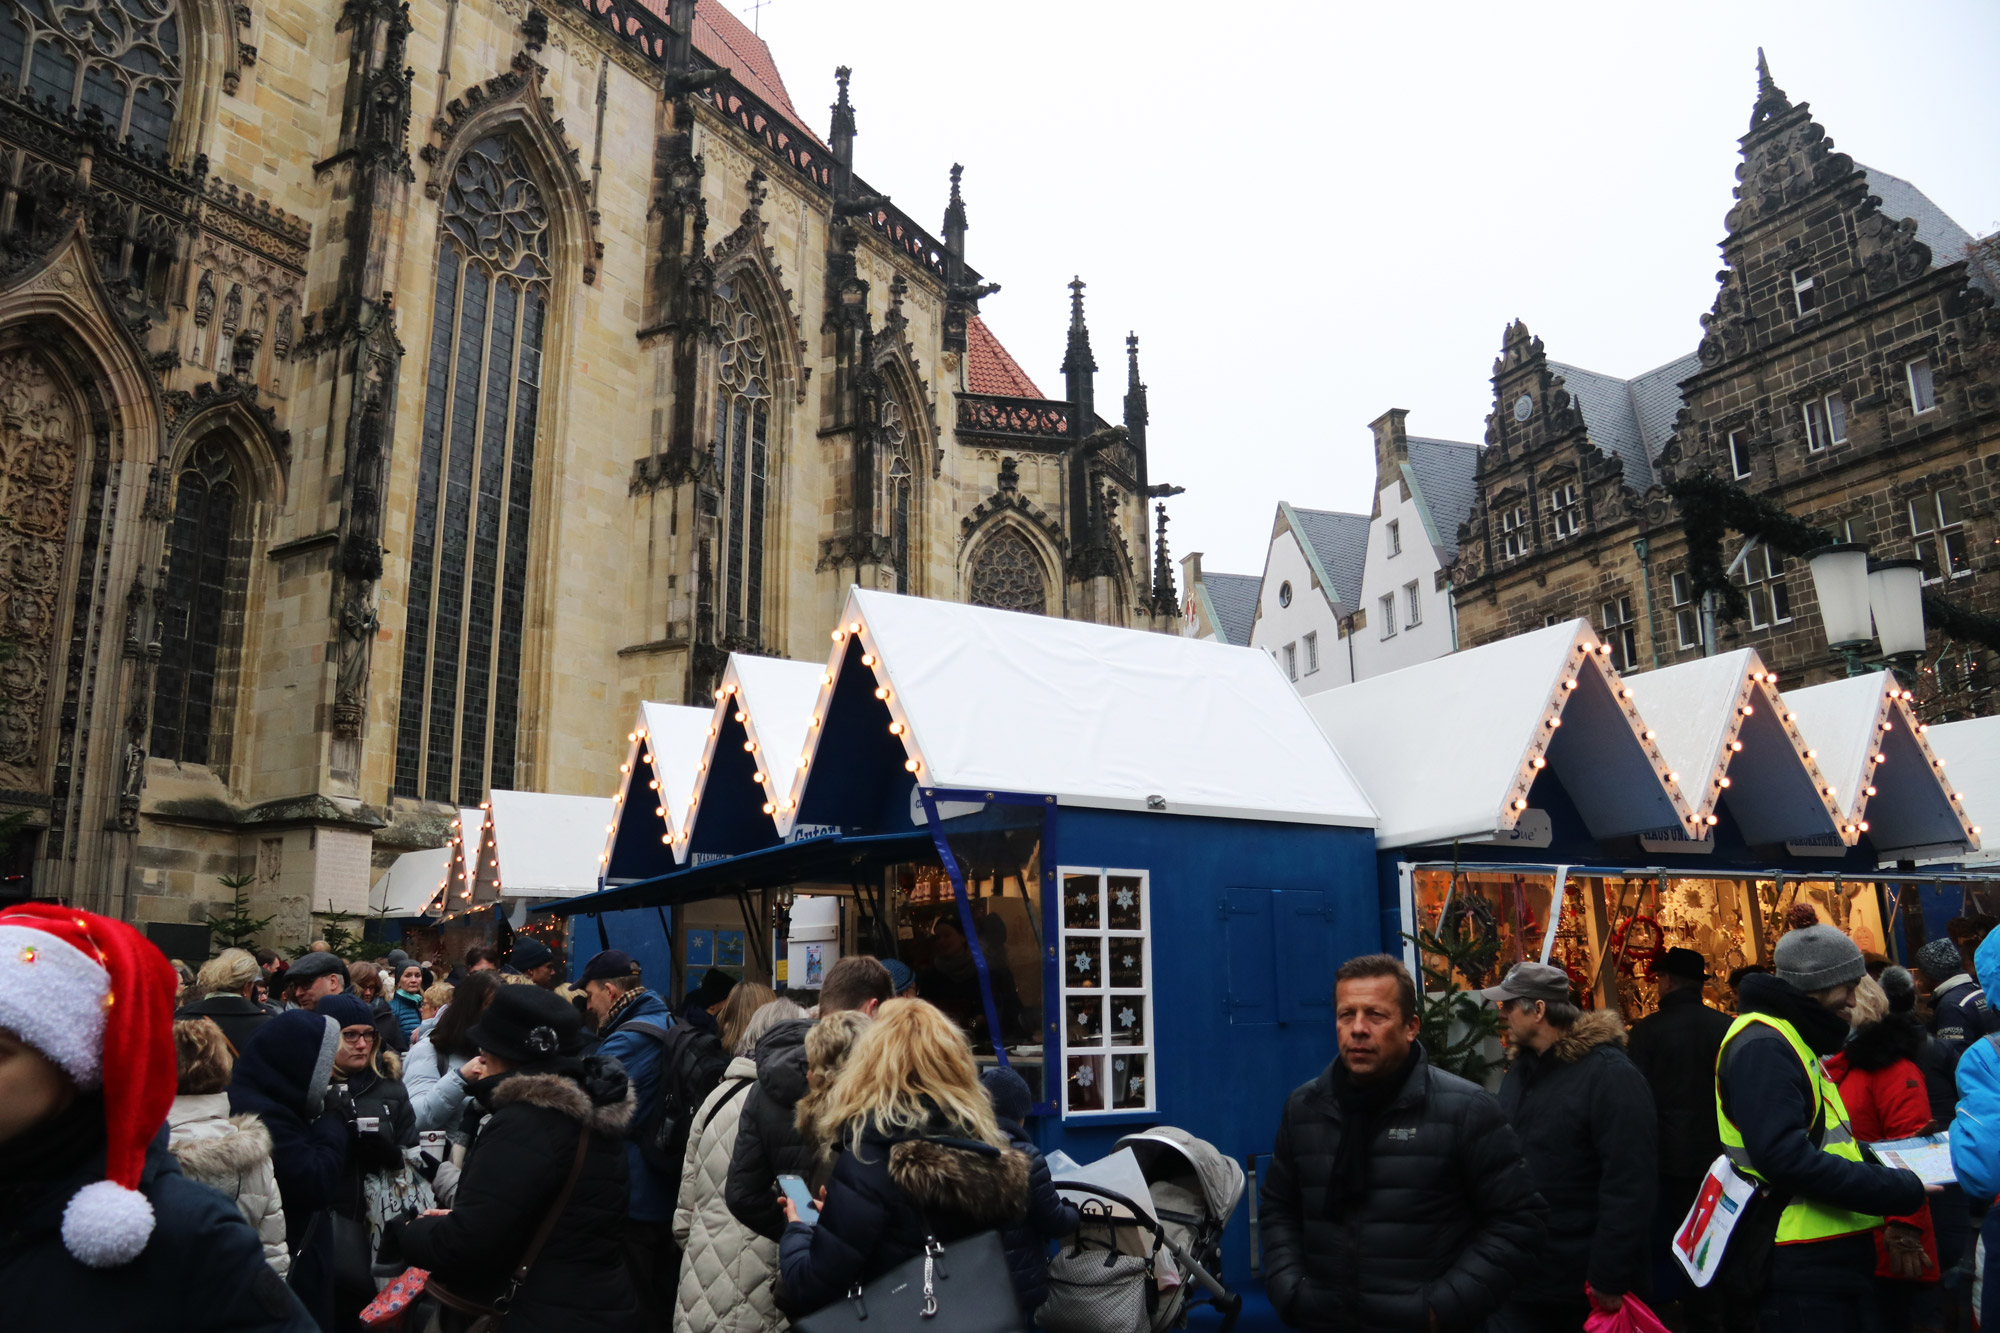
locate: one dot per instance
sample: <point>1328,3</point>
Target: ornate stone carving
<point>1006,573</point>
<point>38,453</point>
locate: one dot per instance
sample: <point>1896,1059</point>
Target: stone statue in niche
<point>281,341</point>
<point>204,300</point>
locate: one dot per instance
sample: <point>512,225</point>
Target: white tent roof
<point>1886,780</point>
<point>666,749</point>
<point>1093,715</point>
<point>467,835</point>
<point>777,699</point>
<point>1725,730</point>
<point>1449,748</point>
<point>407,887</point>
<point>1972,751</point>
<point>546,845</point>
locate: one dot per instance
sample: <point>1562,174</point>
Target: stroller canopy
<point>1164,1151</point>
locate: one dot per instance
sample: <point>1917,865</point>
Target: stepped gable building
<point>1849,370</point>
<point>394,395</point>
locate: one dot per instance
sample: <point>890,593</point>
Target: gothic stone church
<point>1849,371</point>
<point>395,395</point>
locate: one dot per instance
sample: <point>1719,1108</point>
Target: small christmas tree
<point>1455,1023</point>
<point>340,941</point>
<point>236,928</point>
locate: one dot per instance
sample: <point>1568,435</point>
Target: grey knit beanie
<point>1940,959</point>
<point>1818,957</point>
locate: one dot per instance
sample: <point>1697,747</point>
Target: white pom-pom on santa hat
<point>106,1225</point>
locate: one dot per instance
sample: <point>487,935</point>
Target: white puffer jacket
<point>231,1154</point>
<point>727,1269</point>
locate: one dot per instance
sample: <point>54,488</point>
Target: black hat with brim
<point>528,1025</point>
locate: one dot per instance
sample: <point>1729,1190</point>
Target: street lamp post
<point>1871,610</point>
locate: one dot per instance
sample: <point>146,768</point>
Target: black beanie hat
<point>714,989</point>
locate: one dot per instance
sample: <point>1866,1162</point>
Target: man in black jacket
<point>1585,1119</point>
<point>1396,1198</point>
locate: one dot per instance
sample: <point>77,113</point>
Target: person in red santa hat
<point>98,1228</point>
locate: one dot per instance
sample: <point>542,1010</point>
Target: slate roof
<point>1446,473</point>
<point>1339,542</point>
<point>1630,419</point>
<point>989,368</point>
<point>1948,241</point>
<point>1233,599</point>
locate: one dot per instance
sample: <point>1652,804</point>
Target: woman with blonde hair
<point>225,992</point>
<point>917,1155</point>
<point>828,1045</point>
<point>727,1270</point>
<point>745,1001</point>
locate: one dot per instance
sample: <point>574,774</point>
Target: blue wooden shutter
<point>1302,928</point>
<point>1246,932</point>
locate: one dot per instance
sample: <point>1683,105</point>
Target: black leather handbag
<point>964,1287</point>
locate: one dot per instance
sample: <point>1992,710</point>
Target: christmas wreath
<point>1639,943</point>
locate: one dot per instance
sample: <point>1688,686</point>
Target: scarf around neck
<point>1362,1106</point>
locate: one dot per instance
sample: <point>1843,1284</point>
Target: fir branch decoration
<point>1711,507</point>
<point>1453,1024</point>
<point>1954,621</point>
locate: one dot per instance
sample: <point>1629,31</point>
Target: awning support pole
<point>966,924</point>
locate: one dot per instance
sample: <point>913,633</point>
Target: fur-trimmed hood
<point>988,1185</point>
<point>209,1143</point>
<point>1598,1027</point>
<point>592,1091</point>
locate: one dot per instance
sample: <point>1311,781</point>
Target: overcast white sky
<point>1313,212</point>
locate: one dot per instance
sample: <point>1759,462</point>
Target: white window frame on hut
<point>1111,995</point>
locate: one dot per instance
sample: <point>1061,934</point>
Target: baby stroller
<point>1135,1265</point>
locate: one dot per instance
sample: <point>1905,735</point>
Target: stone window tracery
<point>742,458</point>
<point>1006,573</point>
<point>194,604</point>
<point>38,452</point>
<point>459,716</point>
<point>120,59</point>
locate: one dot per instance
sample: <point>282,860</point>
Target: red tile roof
<point>988,367</point>
<point>721,36</point>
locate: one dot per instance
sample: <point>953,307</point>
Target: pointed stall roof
<point>411,883</point>
<point>1449,748</point>
<point>1971,749</point>
<point>1726,732</point>
<point>663,758</point>
<point>763,709</point>
<point>1093,715</point>
<point>466,831</point>
<point>542,845</point>
<point>1875,757</point>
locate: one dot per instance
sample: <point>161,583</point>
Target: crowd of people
<point>266,1145</point>
<point>1400,1196</point>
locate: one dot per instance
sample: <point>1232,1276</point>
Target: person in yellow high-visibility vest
<point>1782,1122</point>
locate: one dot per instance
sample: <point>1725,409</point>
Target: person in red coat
<point>1882,1085</point>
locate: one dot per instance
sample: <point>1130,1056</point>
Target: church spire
<point>1166,600</point>
<point>840,139</point>
<point>954,223</point>
<point>1771,99</point>
<point>1079,367</point>
<point>961,297</point>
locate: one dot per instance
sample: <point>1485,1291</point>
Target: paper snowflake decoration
<point>1083,962</point>
<point>1085,1076</point>
<point>1129,960</point>
<point>1084,1018</point>
<point>1126,1018</point>
<point>1125,898</point>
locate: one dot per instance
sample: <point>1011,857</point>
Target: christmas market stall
<point>1126,863</point>
<point>407,892</point>
<point>520,848</point>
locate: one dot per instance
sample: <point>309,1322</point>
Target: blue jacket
<point>202,1271</point>
<point>1975,1130</point>
<point>409,1013</point>
<point>652,1197</point>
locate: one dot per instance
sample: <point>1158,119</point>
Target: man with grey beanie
<point>1960,1014</point>
<point>1805,1250</point>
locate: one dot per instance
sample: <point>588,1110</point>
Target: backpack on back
<point>692,1063</point>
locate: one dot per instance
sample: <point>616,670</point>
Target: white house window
<point>1923,393</point>
<point>1567,512</point>
<point>1388,615</point>
<point>1615,624</point>
<point>1942,543</point>
<point>1805,290</point>
<point>1514,533</point>
<point>1107,993</point>
<point>1285,593</point>
<point>1394,528</point>
<point>1687,620</point>
<point>1414,598</point>
<point>1291,661</point>
<point>1311,642</point>
<point>1765,589</point>
<point>1739,453</point>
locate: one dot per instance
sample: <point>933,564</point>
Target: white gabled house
<point>1312,581</point>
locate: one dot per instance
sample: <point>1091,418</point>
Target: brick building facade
<point>394,395</point>
<point>1849,370</point>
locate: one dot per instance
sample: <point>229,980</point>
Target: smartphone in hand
<point>802,1200</point>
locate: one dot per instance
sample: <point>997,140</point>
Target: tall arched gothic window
<point>194,609</point>
<point>1007,573</point>
<point>896,482</point>
<point>742,457</point>
<point>460,712</point>
<point>118,58</point>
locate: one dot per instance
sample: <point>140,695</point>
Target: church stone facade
<point>1849,370</point>
<point>394,395</point>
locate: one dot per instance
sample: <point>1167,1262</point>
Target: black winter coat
<point>889,1192</point>
<point>282,1080</point>
<point>1450,1220</point>
<point>1767,1094</point>
<point>1675,1048</point>
<point>1050,1217</point>
<point>769,1142</point>
<point>515,1169</point>
<point>384,1098</point>
<point>202,1271</point>
<point>1584,1116</point>
<point>238,1018</point>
